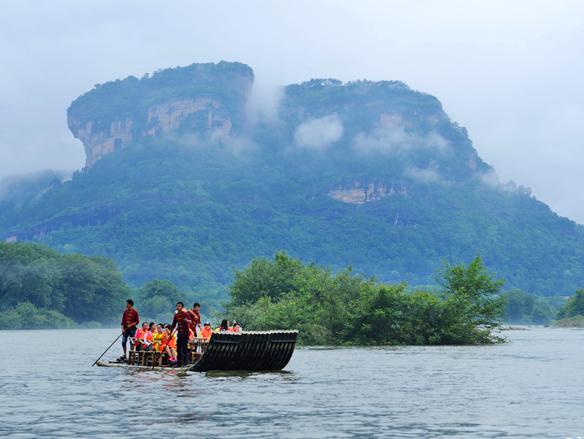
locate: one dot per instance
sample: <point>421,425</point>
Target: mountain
<point>181,182</point>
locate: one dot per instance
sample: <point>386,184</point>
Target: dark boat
<point>248,351</point>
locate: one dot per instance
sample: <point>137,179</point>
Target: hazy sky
<point>512,72</point>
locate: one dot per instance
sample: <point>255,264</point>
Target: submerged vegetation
<point>344,308</point>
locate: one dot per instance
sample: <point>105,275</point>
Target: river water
<point>531,387</point>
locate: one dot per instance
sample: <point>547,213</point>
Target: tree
<point>518,306</point>
<point>158,298</point>
<point>79,287</point>
<point>266,278</point>
<point>95,289</point>
<point>472,303</point>
<point>574,306</point>
<point>525,308</point>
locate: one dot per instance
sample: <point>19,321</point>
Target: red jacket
<point>195,318</point>
<point>181,320</point>
<point>130,318</point>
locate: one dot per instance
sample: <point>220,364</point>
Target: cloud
<point>395,139</point>
<point>20,187</point>
<point>264,102</point>
<point>491,180</point>
<point>320,133</point>
<point>424,175</point>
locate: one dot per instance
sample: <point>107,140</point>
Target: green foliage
<point>525,308</point>
<point>27,316</point>
<point>64,287</point>
<point>343,308</point>
<point>226,81</point>
<point>473,306</point>
<point>264,278</point>
<point>158,298</point>
<point>574,306</point>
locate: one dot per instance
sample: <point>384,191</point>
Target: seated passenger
<point>143,338</point>
<point>157,335</point>
<point>224,327</point>
<point>236,328</point>
<point>169,344</point>
<point>206,331</point>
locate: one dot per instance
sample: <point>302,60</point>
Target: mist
<point>511,73</point>
<point>318,134</point>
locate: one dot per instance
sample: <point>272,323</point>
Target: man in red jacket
<point>195,317</point>
<point>130,320</point>
<point>182,322</point>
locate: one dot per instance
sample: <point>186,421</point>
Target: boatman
<point>130,320</point>
<point>182,322</point>
<point>195,317</point>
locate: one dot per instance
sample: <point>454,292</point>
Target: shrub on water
<point>574,306</point>
<point>344,308</point>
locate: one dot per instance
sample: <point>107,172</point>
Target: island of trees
<point>41,288</point>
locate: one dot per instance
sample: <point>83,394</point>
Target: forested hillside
<point>368,174</point>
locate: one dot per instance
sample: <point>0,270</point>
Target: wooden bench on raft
<point>155,358</point>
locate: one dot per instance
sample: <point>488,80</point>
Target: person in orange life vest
<point>130,320</point>
<point>143,339</point>
<point>169,344</point>
<point>224,327</point>
<point>206,331</point>
<point>182,322</point>
<point>156,336</point>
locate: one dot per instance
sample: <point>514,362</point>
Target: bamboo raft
<point>248,351</point>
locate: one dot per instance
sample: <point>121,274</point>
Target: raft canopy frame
<point>250,350</point>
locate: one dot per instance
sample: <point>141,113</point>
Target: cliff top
<point>109,101</point>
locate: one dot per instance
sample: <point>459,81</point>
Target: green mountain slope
<point>182,185</point>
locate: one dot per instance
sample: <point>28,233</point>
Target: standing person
<point>130,320</point>
<point>195,316</point>
<point>182,322</point>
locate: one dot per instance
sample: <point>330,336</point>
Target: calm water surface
<point>531,387</point>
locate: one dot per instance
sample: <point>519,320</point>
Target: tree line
<point>41,288</point>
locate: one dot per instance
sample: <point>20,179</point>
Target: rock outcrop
<point>205,99</point>
<point>361,194</point>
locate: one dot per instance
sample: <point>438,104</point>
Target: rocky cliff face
<point>207,99</point>
<point>100,139</point>
<point>365,193</point>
